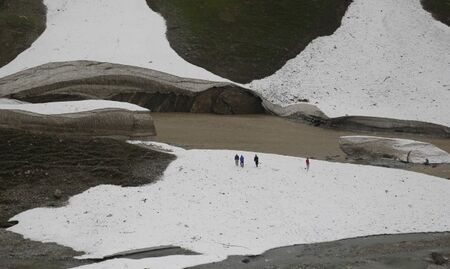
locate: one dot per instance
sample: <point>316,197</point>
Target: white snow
<point>208,205</point>
<point>70,107</point>
<point>116,31</point>
<point>388,59</point>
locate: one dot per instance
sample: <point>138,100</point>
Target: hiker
<point>307,164</point>
<point>427,162</point>
<point>256,159</point>
<point>236,159</point>
<point>242,161</point>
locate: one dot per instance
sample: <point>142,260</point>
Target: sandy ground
<point>269,134</point>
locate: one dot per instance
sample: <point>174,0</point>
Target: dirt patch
<point>246,40</point>
<point>270,134</point>
<point>404,251</point>
<point>21,23</point>
<point>41,170</point>
<point>439,8</point>
<point>18,253</point>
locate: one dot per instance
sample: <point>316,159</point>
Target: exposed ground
<point>404,251</point>
<point>439,8</point>
<point>21,23</point>
<point>246,40</point>
<point>263,133</point>
<point>34,167</point>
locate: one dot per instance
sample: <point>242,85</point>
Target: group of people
<point>240,161</point>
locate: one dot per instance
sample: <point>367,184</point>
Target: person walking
<point>236,159</point>
<point>242,161</point>
<point>256,159</point>
<point>307,164</point>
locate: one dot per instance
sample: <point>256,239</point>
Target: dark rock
<point>438,258</point>
<point>57,194</point>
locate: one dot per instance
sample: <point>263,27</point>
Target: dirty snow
<point>406,150</point>
<point>117,31</point>
<point>70,107</point>
<point>208,205</point>
<point>388,59</point>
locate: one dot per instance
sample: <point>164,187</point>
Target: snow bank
<point>7,101</point>
<point>71,107</point>
<point>117,31</point>
<point>388,59</point>
<point>158,146</point>
<point>401,149</point>
<point>206,204</point>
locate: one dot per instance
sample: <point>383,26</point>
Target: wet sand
<point>270,134</point>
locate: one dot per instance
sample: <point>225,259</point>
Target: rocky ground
<point>44,170</point>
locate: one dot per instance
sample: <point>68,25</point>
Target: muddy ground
<point>269,134</point>
<point>404,251</point>
<point>43,170</point>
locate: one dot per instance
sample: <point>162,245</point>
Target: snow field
<point>70,107</point>
<point>388,59</point>
<point>208,205</point>
<point>116,31</point>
